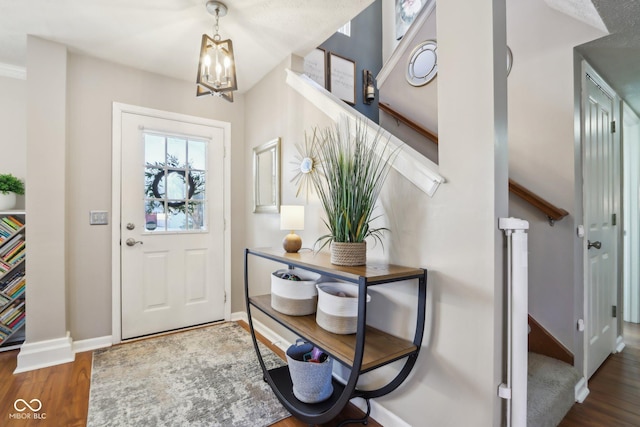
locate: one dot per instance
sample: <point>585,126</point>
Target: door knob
<point>595,244</point>
<point>132,242</point>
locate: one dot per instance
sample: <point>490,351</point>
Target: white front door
<point>600,166</point>
<point>172,224</point>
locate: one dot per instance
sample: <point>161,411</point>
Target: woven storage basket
<point>338,307</point>
<point>311,381</point>
<point>295,298</point>
<point>348,254</point>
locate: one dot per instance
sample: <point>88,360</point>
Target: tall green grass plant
<point>352,172</point>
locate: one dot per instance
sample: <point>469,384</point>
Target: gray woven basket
<point>311,381</point>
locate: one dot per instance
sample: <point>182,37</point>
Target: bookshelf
<point>12,279</point>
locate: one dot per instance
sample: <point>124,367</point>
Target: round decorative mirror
<point>422,66</point>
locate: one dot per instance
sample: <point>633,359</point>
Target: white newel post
<point>515,388</point>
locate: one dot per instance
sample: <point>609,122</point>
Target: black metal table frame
<point>299,410</point>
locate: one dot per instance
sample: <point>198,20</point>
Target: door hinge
<point>613,126</point>
<point>614,219</point>
<point>614,311</point>
<point>225,297</point>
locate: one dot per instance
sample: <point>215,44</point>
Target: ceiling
<point>616,57</point>
<point>163,36</point>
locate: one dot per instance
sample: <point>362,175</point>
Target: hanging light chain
<point>216,27</point>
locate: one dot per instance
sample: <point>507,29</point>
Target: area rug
<point>202,377</point>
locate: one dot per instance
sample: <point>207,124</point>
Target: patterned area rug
<point>202,377</point>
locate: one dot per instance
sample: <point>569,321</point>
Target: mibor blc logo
<point>28,410</point>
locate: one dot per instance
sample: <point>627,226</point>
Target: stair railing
<point>552,212</point>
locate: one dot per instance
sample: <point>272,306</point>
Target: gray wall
<point>365,48</point>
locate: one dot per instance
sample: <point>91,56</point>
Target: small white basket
<point>338,307</point>
<point>295,298</point>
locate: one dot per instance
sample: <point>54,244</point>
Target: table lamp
<point>292,218</point>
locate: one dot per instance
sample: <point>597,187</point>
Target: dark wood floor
<point>64,393</point>
<point>614,398</point>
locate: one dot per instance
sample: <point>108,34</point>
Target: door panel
<point>172,225</point>
<point>600,172</point>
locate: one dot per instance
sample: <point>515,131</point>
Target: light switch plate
<point>99,218</point>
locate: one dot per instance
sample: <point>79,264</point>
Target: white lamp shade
<point>291,217</point>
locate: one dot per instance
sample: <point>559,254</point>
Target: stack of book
<point>13,288</point>
<point>12,317</point>
<point>12,253</point>
<point>9,225</point>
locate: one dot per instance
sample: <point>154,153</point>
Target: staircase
<point>551,386</point>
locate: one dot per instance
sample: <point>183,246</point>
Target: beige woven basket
<point>338,307</point>
<point>295,298</point>
<point>348,254</point>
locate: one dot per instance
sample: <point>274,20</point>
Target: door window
<point>174,183</point>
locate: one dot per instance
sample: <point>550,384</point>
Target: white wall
<point>459,364</point>
<point>419,104</point>
<point>75,263</point>
<point>93,85</point>
<point>13,122</point>
<point>45,190</point>
<point>541,146</point>
<point>541,143</point>
<point>631,197</point>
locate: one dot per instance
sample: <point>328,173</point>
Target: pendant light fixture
<point>217,67</point>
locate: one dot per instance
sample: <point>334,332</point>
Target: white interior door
<point>600,165</point>
<point>172,225</point>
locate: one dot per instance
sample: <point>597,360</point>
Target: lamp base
<point>292,242</point>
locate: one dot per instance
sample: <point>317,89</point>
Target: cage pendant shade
<point>217,68</point>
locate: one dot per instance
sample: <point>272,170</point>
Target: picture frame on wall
<point>315,66</point>
<point>406,12</point>
<point>342,78</point>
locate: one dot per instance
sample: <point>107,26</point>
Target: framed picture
<point>342,78</point>
<point>315,66</point>
<point>406,12</point>
<point>266,177</point>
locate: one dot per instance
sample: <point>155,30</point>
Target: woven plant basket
<point>348,254</point>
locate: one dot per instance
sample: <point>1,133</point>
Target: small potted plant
<point>9,187</point>
<point>351,173</point>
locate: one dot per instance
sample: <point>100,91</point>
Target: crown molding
<point>13,71</point>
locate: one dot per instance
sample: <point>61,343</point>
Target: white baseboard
<point>267,332</point>
<point>620,345</point>
<point>92,344</point>
<point>581,390</point>
<point>378,412</point>
<point>43,354</point>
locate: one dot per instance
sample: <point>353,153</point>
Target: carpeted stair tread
<point>550,390</point>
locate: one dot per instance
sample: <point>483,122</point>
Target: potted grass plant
<point>10,186</point>
<point>349,178</point>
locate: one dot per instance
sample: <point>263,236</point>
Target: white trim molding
<point>43,354</point>
<point>92,344</point>
<point>581,390</point>
<point>422,172</point>
<point>13,71</point>
<point>118,110</point>
<point>620,345</point>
